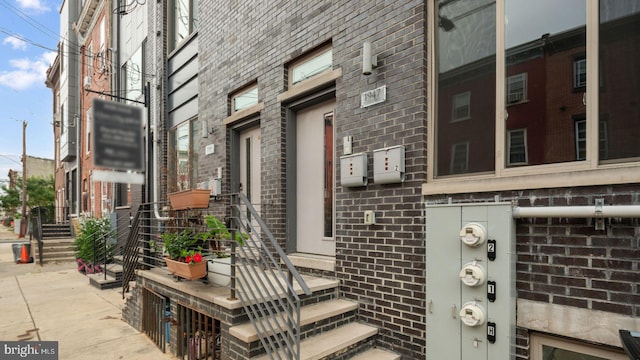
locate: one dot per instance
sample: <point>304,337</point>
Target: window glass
<point>619,91</point>
<point>517,144</point>
<point>133,75</point>
<point>466,70</point>
<point>313,66</point>
<point>183,165</point>
<point>245,98</point>
<point>184,21</point>
<point>548,44</point>
<point>553,353</point>
<point>516,88</point>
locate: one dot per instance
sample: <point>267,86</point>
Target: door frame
<point>234,151</point>
<point>291,110</point>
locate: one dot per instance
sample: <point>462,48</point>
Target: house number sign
<point>373,97</point>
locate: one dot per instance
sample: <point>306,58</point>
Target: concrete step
<point>98,280</point>
<point>376,354</point>
<point>308,314</point>
<point>330,342</point>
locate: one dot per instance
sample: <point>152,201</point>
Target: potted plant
<point>220,263</point>
<point>184,252</point>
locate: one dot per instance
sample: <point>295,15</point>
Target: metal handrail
<point>262,276</point>
<point>261,293</point>
<point>130,252</point>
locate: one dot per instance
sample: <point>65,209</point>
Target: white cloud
<point>33,5</point>
<point>26,72</point>
<point>15,42</point>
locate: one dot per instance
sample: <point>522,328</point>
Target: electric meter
<point>472,314</point>
<point>473,234</point>
<point>472,274</point>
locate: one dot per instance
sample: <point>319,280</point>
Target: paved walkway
<point>56,303</point>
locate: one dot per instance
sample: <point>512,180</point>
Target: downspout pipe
<point>595,211</point>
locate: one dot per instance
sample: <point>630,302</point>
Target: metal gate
<point>199,335</point>
<point>155,317</point>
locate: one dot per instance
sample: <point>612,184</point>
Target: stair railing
<point>36,232</point>
<point>130,253</point>
<point>264,282</point>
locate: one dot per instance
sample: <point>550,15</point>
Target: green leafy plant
<point>92,242</point>
<point>218,231</point>
<point>183,246</point>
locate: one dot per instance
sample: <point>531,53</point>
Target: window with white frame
<point>516,88</point>
<point>184,21</point>
<point>581,140</point>
<point>517,145</point>
<point>311,65</point>
<point>461,106</point>
<point>244,98</point>
<point>459,158</point>
<point>505,62</point>
<point>580,73</point>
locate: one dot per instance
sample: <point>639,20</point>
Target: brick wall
<point>566,261</point>
<point>382,266</point>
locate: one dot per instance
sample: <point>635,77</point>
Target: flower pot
<point>219,271</point>
<point>190,199</point>
<point>185,270</point>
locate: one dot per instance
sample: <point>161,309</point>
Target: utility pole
<point>23,222</point>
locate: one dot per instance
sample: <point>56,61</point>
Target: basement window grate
<point>200,335</point>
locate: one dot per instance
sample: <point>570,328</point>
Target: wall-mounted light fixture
<point>369,62</point>
<point>205,129</point>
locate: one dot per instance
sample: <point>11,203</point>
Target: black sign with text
<point>117,136</point>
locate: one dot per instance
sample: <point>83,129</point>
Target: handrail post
<point>233,226</point>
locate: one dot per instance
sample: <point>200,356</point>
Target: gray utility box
<point>470,282</point>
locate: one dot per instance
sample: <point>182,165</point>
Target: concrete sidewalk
<point>56,303</point>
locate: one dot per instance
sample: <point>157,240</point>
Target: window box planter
<point>190,271</point>
<point>190,199</point>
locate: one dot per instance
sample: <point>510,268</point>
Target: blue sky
<point>29,34</point>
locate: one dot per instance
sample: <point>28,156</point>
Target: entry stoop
<point>113,278</point>
<point>333,342</point>
<point>328,329</point>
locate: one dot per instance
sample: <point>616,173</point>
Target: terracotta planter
<point>190,199</point>
<point>186,270</point>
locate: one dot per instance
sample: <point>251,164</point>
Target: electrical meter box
<point>470,281</point>
<point>353,170</point>
<point>388,165</point>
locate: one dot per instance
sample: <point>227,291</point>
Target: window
<point>516,88</point>
<point>461,106</point>
<point>517,144</point>
<point>545,347</point>
<point>184,21</point>
<point>504,53</point>
<point>581,139</point>
<point>122,194</point>
<point>580,73</point>
<point>311,65</point>
<point>133,74</point>
<point>460,158</point>
<point>87,130</point>
<point>89,59</point>
<point>183,162</point>
<point>244,98</point>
